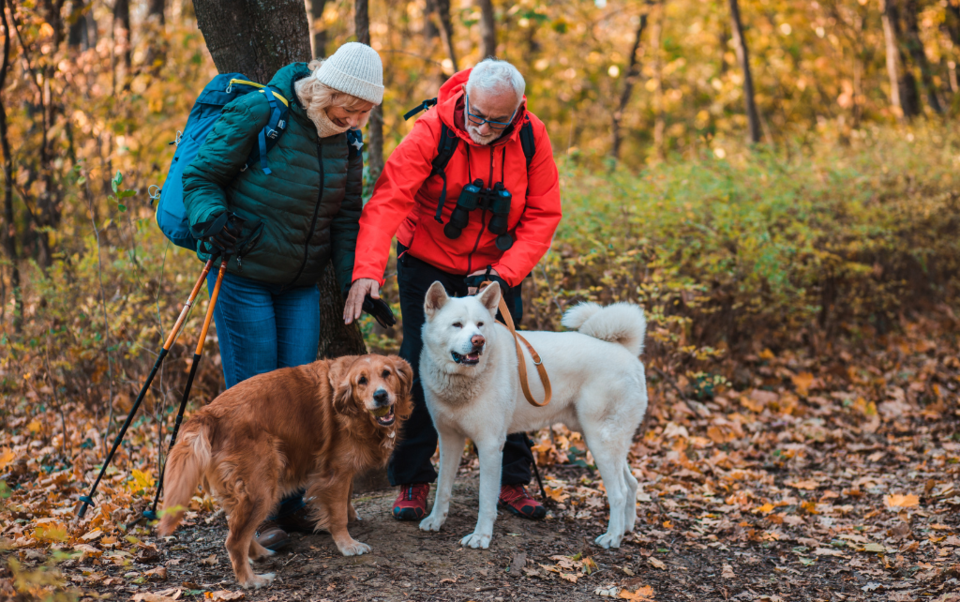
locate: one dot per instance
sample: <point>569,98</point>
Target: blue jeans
<point>262,327</point>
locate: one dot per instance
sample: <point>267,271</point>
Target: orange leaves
<point>901,501</point>
<point>6,457</point>
<point>803,382</point>
<point>644,592</point>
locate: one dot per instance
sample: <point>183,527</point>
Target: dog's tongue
<point>473,357</point>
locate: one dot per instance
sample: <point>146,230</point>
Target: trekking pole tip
<point>150,515</point>
<point>85,502</point>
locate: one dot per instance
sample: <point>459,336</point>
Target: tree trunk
<point>121,32</point>
<point>743,56</point>
<point>318,34</point>
<point>903,86</point>
<point>915,47</point>
<point>77,37</point>
<point>488,29</point>
<point>659,120</point>
<point>155,9</point>
<point>442,8</point>
<point>375,137</point>
<point>9,233</point>
<point>242,37</point>
<point>629,80</point>
<point>254,38</point>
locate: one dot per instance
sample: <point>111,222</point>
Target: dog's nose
<point>477,341</point>
<point>381,397</point>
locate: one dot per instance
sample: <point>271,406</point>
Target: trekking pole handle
<point>186,306</point>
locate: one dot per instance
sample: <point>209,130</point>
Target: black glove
<point>220,233</point>
<point>380,311</point>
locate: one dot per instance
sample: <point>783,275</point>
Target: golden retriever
<point>312,426</point>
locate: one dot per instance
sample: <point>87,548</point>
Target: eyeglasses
<point>479,121</point>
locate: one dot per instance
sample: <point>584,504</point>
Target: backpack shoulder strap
<point>445,149</point>
<point>527,142</point>
<point>276,125</point>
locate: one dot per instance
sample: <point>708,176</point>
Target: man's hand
<point>473,290</point>
<point>358,290</point>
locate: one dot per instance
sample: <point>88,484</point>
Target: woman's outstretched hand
<point>358,290</point>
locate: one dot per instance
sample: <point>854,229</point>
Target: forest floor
<point>828,475</point>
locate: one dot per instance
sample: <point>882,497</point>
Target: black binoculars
<point>476,196</point>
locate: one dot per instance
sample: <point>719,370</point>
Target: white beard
<point>477,138</point>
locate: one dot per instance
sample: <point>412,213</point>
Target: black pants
<point>410,462</point>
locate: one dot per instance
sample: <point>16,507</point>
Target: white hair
<point>494,75</point>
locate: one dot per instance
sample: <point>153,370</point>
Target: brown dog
<point>312,426</point>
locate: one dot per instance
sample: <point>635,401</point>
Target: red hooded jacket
<point>405,197</point>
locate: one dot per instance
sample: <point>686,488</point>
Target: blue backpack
<point>223,89</point>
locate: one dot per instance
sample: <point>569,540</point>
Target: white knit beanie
<point>354,69</point>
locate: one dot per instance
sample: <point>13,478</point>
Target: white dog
<point>469,373</point>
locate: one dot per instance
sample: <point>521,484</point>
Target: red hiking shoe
<point>411,503</point>
<point>518,500</point>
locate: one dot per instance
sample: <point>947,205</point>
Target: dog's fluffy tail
<point>186,465</point>
<point>622,323</point>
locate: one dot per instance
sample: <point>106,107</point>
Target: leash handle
<point>522,361</point>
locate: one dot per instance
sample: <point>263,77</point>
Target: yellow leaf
<point>808,484</point>
<point>34,427</point>
<point>897,500</point>
<point>46,30</point>
<point>6,457</point>
<point>143,480</point>
<point>768,507</point>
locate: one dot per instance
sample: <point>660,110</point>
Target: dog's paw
<point>258,581</point>
<point>609,540</point>
<point>354,548</point>
<point>476,540</point>
<point>432,523</point>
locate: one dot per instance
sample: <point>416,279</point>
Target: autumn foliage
<point>802,293</point>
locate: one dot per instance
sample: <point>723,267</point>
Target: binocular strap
<point>522,362</point>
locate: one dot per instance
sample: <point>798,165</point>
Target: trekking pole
<point>151,514</point>
<point>87,500</point>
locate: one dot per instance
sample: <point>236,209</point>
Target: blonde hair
<point>317,97</point>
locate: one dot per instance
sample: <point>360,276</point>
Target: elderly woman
<point>280,227</point>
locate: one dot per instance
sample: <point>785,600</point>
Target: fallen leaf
<point>6,457</point>
<point>809,484</point>
<point>211,561</point>
<point>568,577</point>
<point>656,562</point>
<point>897,500</point>
<point>92,535</point>
<point>802,382</point>
<point>645,592</point>
<point>728,572</point>
<point>828,552</point>
<point>223,596</point>
<point>519,561</point>
<point>874,547</point>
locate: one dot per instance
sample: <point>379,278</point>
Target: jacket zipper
<point>313,223</point>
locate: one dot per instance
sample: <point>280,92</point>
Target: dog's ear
<point>404,406</point>
<point>490,297</point>
<point>405,372</point>
<point>337,374</point>
<point>436,298</point>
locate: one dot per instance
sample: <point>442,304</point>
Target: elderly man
<point>480,133</point>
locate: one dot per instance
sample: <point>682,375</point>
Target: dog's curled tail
<point>186,465</point>
<point>622,323</point>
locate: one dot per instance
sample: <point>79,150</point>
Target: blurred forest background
<point>769,178</point>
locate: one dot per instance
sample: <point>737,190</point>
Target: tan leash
<point>522,362</point>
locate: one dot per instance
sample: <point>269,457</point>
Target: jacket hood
<point>449,96</point>
<point>284,79</point>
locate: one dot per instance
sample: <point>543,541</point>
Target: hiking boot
<point>411,503</point>
<point>271,536</point>
<point>297,522</point>
<point>518,500</point>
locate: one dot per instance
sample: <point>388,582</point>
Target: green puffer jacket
<point>297,218</point>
